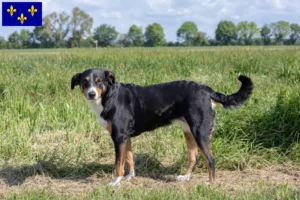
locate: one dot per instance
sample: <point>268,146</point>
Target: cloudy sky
<point>172,13</point>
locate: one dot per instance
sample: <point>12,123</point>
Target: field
<point>51,146</point>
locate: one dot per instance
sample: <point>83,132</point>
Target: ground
<point>230,181</point>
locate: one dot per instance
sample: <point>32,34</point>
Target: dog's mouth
<point>92,99</point>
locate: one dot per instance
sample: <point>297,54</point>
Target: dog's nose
<point>92,94</point>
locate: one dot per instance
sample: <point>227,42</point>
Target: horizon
<point>171,14</point>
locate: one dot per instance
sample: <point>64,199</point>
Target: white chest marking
<point>97,108</point>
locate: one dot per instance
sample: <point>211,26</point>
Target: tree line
<point>61,30</point>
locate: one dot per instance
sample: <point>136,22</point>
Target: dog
<point>127,110</point>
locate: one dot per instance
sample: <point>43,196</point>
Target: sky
<point>171,14</point>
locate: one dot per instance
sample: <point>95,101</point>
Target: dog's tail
<point>236,99</point>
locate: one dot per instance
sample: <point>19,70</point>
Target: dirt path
<point>231,181</point>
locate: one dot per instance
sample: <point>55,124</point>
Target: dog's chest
<point>97,108</point>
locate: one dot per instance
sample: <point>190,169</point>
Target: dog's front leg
<point>129,160</point>
<point>120,155</point>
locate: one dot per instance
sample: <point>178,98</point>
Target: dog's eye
<point>85,82</point>
<point>97,81</point>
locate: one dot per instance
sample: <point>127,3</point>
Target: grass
<point>199,192</point>
<point>49,128</point>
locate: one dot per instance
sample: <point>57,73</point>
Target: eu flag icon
<point>21,13</point>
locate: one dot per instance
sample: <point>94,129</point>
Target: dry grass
<point>231,181</point>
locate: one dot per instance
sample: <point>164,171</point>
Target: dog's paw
<point>130,175</point>
<point>207,183</point>
<point>183,177</point>
<point>116,181</point>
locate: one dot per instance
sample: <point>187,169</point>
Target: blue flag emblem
<point>21,13</point>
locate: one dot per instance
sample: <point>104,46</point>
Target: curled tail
<point>237,98</point>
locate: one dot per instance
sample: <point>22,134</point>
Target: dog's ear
<point>110,77</point>
<point>75,80</point>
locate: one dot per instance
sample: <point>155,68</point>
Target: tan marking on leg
<point>210,176</point>
<point>121,160</point>
<point>193,151</point>
<point>212,179</point>
<point>109,127</point>
<point>129,156</point>
<point>205,156</point>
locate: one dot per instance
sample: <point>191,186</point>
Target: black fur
<point>75,80</point>
<point>146,108</point>
<point>134,109</point>
<point>237,98</point>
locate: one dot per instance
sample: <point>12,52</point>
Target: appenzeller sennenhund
<point>127,110</point>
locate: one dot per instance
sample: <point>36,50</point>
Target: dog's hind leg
<point>204,145</point>
<point>201,124</point>
<point>193,156</point>
<point>129,160</point>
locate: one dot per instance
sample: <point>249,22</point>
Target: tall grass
<point>42,121</point>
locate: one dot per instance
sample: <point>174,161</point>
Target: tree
<point>81,24</point>
<point>265,34</point>
<point>87,43</point>
<point>42,37</point>
<point>171,44</point>
<point>58,25</point>
<point>2,43</point>
<point>187,33</point>
<point>212,42</point>
<point>135,36</point>
<point>63,22</point>
<point>14,40</point>
<point>295,34</point>
<point>246,31</point>
<point>49,22</point>
<point>25,38</point>
<point>105,35</point>
<point>124,40</point>
<point>226,33</point>
<point>257,41</point>
<point>201,39</point>
<point>280,30</point>
<point>154,35</point>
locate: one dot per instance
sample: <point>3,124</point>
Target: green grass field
<point>51,146</point>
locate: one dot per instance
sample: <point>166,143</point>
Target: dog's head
<point>93,82</point>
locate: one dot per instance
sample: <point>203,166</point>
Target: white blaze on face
<point>92,89</point>
<point>97,108</point>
